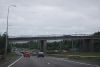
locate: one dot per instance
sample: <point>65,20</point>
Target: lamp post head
<point>13,5</point>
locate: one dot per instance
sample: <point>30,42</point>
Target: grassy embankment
<point>93,57</point>
<point>9,58</point>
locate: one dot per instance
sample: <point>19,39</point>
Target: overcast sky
<point>47,17</point>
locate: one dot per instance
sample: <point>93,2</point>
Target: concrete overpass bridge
<point>87,42</point>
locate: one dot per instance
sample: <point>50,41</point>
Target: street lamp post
<point>6,46</point>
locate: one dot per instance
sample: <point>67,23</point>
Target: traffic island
<point>87,57</point>
<point>11,57</point>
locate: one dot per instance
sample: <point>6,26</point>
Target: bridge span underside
<point>86,43</point>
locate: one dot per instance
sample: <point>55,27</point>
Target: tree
<point>97,42</point>
<point>97,33</point>
<point>2,43</point>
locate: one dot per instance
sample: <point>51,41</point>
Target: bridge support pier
<point>39,45</point>
<point>84,45</point>
<point>42,45</point>
<point>45,46</point>
<point>72,41</point>
<point>91,45</point>
<point>87,45</point>
<point>61,46</point>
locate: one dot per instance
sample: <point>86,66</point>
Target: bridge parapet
<point>53,38</point>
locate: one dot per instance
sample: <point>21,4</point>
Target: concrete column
<point>83,45</point>
<point>39,45</point>
<point>60,46</point>
<point>72,44</point>
<point>45,46</point>
<point>91,45</point>
<point>42,45</point>
<point>64,43</point>
<point>80,44</point>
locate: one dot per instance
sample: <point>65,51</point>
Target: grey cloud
<point>45,17</point>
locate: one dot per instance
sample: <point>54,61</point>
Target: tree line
<point>3,43</point>
<point>65,45</point>
<point>58,45</point>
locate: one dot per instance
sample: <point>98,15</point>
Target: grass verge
<point>91,57</point>
<point>9,59</point>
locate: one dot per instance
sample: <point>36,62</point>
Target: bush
<point>3,43</point>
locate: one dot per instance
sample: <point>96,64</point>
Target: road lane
<point>47,62</point>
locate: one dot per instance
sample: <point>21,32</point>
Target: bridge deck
<point>53,38</point>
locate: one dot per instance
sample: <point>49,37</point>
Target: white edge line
<point>81,63</point>
<point>15,62</point>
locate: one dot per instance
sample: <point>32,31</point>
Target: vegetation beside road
<point>84,53</point>
<point>56,47</point>
<point>3,44</point>
<point>67,45</point>
<point>92,57</point>
<point>11,57</point>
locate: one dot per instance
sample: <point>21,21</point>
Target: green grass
<point>84,53</point>
<point>93,57</point>
<point>9,57</point>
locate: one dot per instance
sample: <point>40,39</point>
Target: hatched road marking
<point>15,61</point>
<point>82,63</point>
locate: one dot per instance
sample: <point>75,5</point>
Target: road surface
<point>48,62</point>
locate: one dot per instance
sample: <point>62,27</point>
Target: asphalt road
<point>48,62</point>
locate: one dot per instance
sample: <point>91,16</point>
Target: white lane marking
<point>82,63</point>
<point>15,62</point>
<point>48,63</point>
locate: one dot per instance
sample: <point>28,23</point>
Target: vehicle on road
<point>27,54</point>
<point>40,54</point>
<point>34,53</point>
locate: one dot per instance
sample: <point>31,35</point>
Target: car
<point>40,54</point>
<point>34,54</point>
<point>27,54</point>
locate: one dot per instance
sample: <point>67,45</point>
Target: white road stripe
<point>48,63</point>
<point>82,63</point>
<point>15,61</point>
